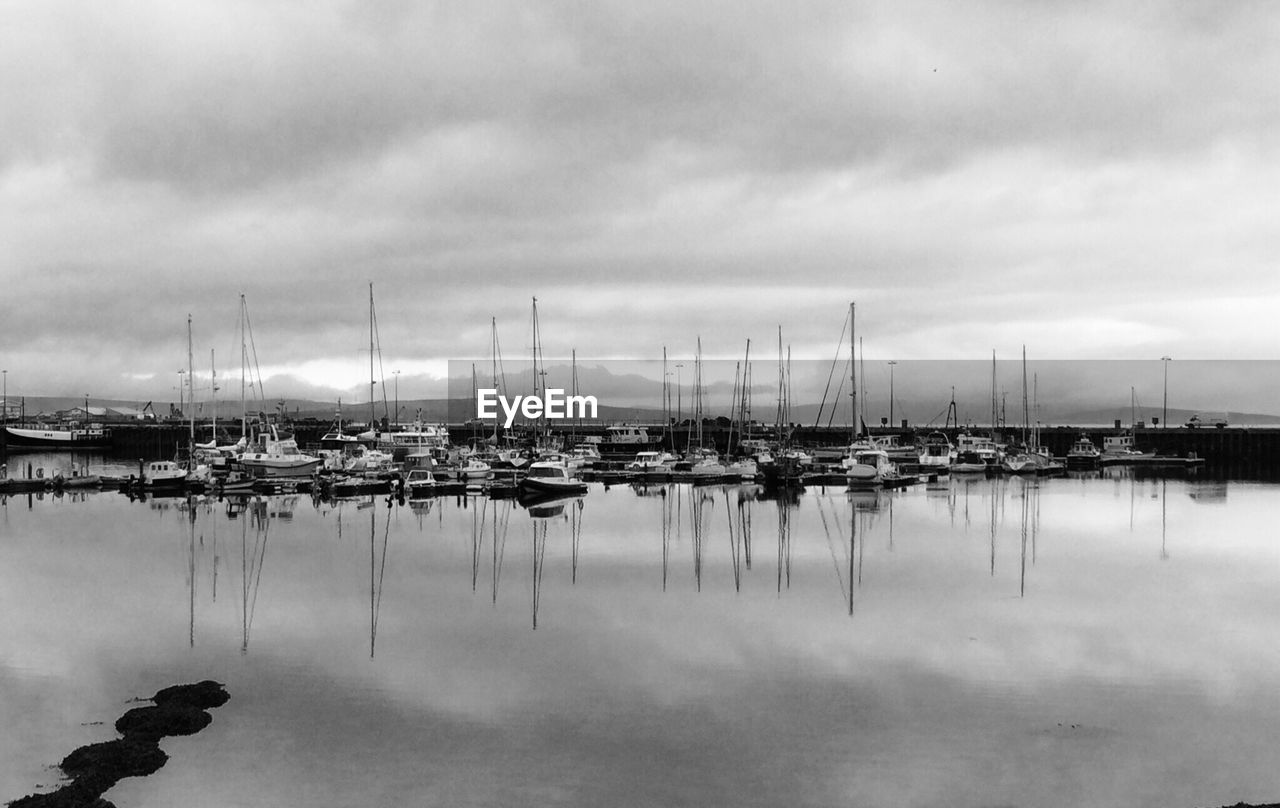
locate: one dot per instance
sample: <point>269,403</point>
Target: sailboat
<point>267,453</point>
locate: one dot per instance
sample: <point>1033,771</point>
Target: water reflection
<point>947,628</point>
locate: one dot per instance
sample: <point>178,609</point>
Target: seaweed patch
<point>92,769</point>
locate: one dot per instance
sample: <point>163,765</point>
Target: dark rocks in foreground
<point>92,769</point>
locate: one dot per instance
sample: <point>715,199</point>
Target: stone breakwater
<point>92,770</point>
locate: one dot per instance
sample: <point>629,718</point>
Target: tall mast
<point>213,393</point>
<point>493,347</point>
<point>371,416</point>
<point>537,371</point>
<point>862,378</point>
<point>853,380</point>
<point>1026,413</point>
<point>781,380</point>
<point>191,389</point>
<point>244,411</point>
<point>994,406</point>
<point>745,431</point>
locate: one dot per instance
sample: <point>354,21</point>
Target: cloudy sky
<point>1090,180</point>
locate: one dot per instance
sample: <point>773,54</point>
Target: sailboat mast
<point>244,410</point>
<point>213,393</point>
<point>372,417</point>
<point>1026,413</point>
<point>853,381</point>
<point>191,389</point>
<point>994,406</point>
<point>493,350</point>
<point>536,370</point>
<point>745,410</point>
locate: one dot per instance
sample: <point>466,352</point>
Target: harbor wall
<point>1249,446</point>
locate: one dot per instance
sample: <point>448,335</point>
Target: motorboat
<point>419,482</point>
<point>273,456</point>
<point>746,469</point>
<point>1121,449</point>
<point>970,462</point>
<point>868,468</point>
<point>936,451</point>
<point>551,477</point>
<point>164,474</point>
<point>652,461</point>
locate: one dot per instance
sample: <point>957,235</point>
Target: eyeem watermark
<point>556,405</point>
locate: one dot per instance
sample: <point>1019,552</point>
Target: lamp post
<point>1165,413</point>
<point>6,397</point>
<point>396,375</point>
<point>181,373</point>
<point>891,421</point>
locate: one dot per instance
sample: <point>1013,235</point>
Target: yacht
<point>868,468</point>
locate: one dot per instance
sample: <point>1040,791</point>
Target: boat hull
<point>277,467</point>
<point>22,437</point>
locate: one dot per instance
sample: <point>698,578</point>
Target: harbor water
<point>1099,639</point>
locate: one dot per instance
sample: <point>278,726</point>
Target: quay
<point>1245,448</point>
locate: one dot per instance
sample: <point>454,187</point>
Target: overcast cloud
<point>1091,180</point>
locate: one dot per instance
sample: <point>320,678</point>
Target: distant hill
<point>1177,417</point>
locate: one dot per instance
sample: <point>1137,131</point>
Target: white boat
<point>868,468</point>
<point>936,451</point>
<point>551,477</point>
<point>61,436</point>
<point>624,439</point>
<point>979,445</point>
<point>970,462</point>
<point>1119,448</point>
<point>746,469</point>
<point>164,474</point>
<point>586,455</point>
<point>652,461</point>
<point>273,456</point>
<point>414,438</point>
<point>473,469</point>
<point>419,481</point>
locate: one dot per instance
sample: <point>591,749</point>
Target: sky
<point>1090,180</point>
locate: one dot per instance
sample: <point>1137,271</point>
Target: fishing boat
<point>273,456</point>
<point>1083,454</point>
<point>551,477</point>
<point>164,475</point>
<point>58,436</point>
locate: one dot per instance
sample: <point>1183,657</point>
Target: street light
<point>1165,415</point>
<point>891,364</point>
<point>181,373</point>
<point>6,397</point>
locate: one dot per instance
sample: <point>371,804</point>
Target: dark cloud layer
<point>1072,177</point>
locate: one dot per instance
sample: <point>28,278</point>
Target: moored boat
<point>58,436</point>
<point>551,477</point>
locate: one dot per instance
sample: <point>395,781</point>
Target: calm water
<point>1101,641</point>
